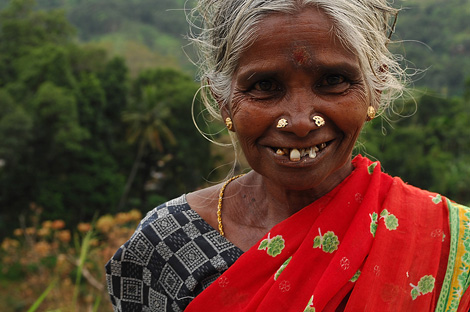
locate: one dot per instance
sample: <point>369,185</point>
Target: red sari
<point>377,245</point>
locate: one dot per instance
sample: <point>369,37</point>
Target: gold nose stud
<point>319,121</point>
<point>282,123</point>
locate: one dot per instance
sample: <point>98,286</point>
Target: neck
<point>257,202</point>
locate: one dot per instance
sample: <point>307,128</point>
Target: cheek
<point>350,114</point>
<point>251,121</point>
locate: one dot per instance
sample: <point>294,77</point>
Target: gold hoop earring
<point>319,121</point>
<point>229,123</point>
<point>282,123</point>
<point>370,113</point>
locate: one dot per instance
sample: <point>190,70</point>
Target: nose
<point>300,109</point>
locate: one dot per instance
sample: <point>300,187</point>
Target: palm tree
<point>146,126</point>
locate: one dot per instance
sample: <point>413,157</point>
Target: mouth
<point>296,154</point>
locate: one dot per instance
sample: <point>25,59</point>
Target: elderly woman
<point>309,228</point>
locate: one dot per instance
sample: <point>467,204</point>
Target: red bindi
<point>301,56</point>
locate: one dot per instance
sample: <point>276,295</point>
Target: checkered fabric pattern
<point>171,258</point>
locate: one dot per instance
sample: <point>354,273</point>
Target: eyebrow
<point>249,76</point>
<point>256,72</point>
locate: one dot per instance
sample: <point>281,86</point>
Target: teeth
<point>294,155</point>
<point>312,153</point>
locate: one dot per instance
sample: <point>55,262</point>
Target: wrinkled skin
<point>295,69</point>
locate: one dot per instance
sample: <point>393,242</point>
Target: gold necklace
<point>219,205</point>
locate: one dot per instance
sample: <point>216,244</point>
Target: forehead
<point>306,38</point>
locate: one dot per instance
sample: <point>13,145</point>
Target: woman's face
<point>297,69</point>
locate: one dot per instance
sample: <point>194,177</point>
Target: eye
<point>265,85</point>
<point>334,84</point>
<point>332,80</point>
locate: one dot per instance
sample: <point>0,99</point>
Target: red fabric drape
<point>393,236</point>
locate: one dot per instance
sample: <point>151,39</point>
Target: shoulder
<point>173,218</point>
<point>166,212</point>
<point>171,257</point>
<point>406,196</point>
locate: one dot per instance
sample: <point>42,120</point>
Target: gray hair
<point>229,27</point>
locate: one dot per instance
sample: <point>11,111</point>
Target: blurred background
<point>96,130</point>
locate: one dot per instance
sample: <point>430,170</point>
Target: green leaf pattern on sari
<point>281,269</point>
<point>371,167</point>
<point>309,307</point>
<point>437,199</point>
<point>273,246</point>
<point>355,276</point>
<point>425,286</point>
<point>328,242</point>
<point>390,221</point>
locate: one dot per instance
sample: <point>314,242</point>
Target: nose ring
<point>319,121</point>
<point>282,123</point>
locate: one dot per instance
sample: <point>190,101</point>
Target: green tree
<point>429,149</point>
<point>146,128</point>
<point>23,29</point>
<point>181,167</point>
<point>62,135</point>
<point>55,149</point>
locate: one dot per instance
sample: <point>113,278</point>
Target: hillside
<point>436,35</point>
<point>437,38</point>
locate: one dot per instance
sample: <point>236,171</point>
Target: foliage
<point>176,165</point>
<point>430,148</point>
<point>151,30</point>
<point>44,255</point>
<point>63,140</point>
<point>437,35</point>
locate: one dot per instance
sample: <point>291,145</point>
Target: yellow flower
<point>135,215</point>
<point>105,223</point>
<point>9,244</point>
<point>47,224</point>
<point>64,236</point>
<point>18,232</point>
<point>123,218</point>
<point>42,248</point>
<point>61,259</point>
<point>30,231</point>
<point>42,232</point>
<point>94,242</point>
<point>58,224</point>
<point>84,227</point>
